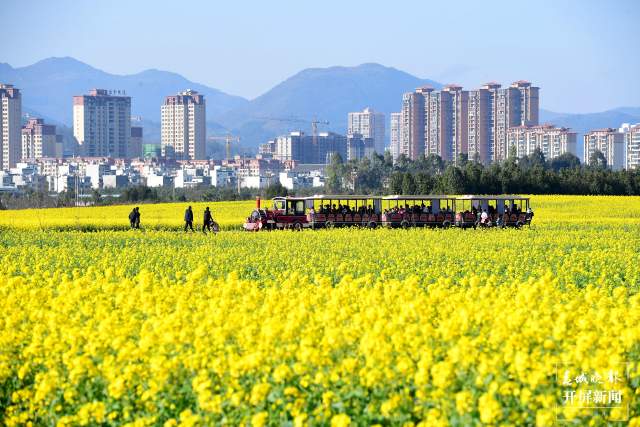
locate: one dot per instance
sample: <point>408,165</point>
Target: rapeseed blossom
<point>334,327</point>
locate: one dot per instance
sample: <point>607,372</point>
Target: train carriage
<point>418,211</point>
<point>328,211</point>
<point>492,211</point>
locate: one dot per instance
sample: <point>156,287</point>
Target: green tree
<point>565,161</point>
<point>408,184</point>
<point>452,181</point>
<point>275,190</point>
<point>395,183</point>
<point>598,160</point>
<point>335,174</point>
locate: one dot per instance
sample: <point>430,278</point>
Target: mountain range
<point>325,94</point>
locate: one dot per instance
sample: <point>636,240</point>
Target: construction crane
<point>228,139</point>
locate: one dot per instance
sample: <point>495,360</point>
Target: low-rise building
<point>159,180</point>
<point>115,181</point>
<point>192,178</point>
<point>223,176</point>
<point>257,181</point>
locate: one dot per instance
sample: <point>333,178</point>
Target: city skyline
<point>568,56</point>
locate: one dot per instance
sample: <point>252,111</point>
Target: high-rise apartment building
<point>38,140</point>
<point>454,117</point>
<point>493,111</point>
<point>394,134</point>
<point>412,135</point>
<point>184,126</point>
<point>610,143</point>
<point>632,142</point>
<point>481,115</point>
<point>551,141</point>
<point>102,123</point>
<point>529,102</point>
<point>369,124</point>
<point>434,122</point>
<point>10,126</point>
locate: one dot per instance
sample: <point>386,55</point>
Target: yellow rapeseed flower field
<point>106,326</point>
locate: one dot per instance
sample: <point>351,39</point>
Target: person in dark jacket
<point>188,219</point>
<point>137,218</point>
<point>132,218</point>
<point>207,220</point>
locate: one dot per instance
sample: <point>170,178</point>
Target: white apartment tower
<point>38,140</point>
<point>609,142</point>
<point>10,128</point>
<point>102,123</point>
<point>394,133</point>
<point>369,124</point>
<point>184,126</point>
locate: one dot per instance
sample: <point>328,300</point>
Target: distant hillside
<point>48,86</point>
<point>325,94</point>
<point>582,123</point>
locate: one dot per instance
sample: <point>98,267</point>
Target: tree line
<point>532,174</point>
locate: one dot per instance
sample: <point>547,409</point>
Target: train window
<point>279,204</point>
<point>300,207</point>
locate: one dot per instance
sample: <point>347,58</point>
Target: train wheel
<point>328,224</point>
<point>446,224</point>
<point>297,226</point>
<point>405,224</point>
<point>372,224</point>
<point>519,224</point>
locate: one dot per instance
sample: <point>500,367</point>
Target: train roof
<point>342,197</point>
<point>418,197</point>
<point>487,197</point>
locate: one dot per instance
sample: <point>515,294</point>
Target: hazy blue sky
<point>585,54</point>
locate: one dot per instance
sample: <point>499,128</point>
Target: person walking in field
<point>207,220</point>
<point>188,219</point>
<point>132,218</point>
<point>137,218</point>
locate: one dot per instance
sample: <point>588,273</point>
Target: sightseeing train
<point>396,211</point>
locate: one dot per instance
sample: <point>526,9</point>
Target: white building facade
<point>102,124</point>
<point>10,126</point>
<point>369,124</point>
<point>610,143</point>
<point>38,140</point>
<point>551,141</point>
<point>394,135</point>
<point>184,126</point>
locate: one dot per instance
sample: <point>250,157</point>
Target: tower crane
<point>228,139</point>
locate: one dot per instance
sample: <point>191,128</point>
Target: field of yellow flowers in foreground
<point>331,327</point>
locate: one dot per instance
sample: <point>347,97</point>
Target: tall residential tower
<point>184,126</point>
<point>10,128</point>
<point>102,123</point>
<point>38,140</point>
<point>394,135</point>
